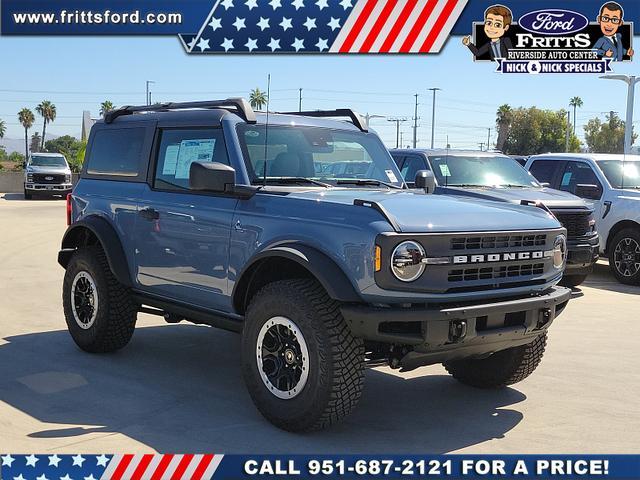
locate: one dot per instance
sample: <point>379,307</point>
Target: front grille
<point>577,224</point>
<point>44,178</point>
<point>497,241</point>
<point>491,273</point>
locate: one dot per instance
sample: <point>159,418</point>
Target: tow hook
<point>457,330</point>
<point>544,317</point>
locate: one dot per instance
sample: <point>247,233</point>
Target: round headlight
<point>406,261</point>
<point>559,251</point>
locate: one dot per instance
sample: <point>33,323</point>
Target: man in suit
<point>497,20</point>
<point>610,45</point>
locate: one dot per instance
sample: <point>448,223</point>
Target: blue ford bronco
<point>297,231</point>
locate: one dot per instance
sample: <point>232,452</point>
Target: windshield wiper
<point>366,181</point>
<point>509,185</point>
<point>292,180</point>
<point>468,185</point>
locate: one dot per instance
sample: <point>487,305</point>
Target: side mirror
<point>24,165</point>
<point>426,181</point>
<point>211,177</point>
<point>588,191</point>
<point>545,184</point>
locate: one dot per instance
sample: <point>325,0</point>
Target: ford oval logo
<point>48,178</point>
<point>553,22</point>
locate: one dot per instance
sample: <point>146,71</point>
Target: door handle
<point>149,213</point>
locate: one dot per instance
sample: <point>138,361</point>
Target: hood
<point>39,169</point>
<point>548,196</point>
<point>415,212</point>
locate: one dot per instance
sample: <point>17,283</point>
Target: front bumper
<point>447,333</point>
<point>582,254</point>
<point>58,189</point>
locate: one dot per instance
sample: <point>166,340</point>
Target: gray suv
<point>212,213</point>
<point>46,174</point>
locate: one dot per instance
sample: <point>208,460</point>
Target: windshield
<point>621,174</point>
<point>472,171</point>
<point>332,157</point>
<point>47,161</point>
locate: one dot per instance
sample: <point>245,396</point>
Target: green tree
<point>536,131</point>
<point>3,128</point>
<point>503,124</point>
<point>257,98</point>
<point>69,147</point>
<point>76,159</point>
<point>36,142</point>
<point>26,119</point>
<point>47,111</point>
<point>608,136</point>
<point>105,107</point>
<point>575,102</point>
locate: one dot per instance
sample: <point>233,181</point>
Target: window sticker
<point>170,160</point>
<point>566,179</point>
<point>199,150</point>
<point>444,169</point>
<point>391,176</point>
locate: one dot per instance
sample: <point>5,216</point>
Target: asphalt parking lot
<point>178,388</point>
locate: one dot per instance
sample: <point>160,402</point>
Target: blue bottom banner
<point>219,466</point>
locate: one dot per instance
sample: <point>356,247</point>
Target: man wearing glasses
<point>610,46</point>
<point>497,20</point>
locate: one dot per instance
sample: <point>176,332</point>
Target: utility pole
<point>631,82</point>
<point>488,137</point>
<point>415,123</point>
<point>566,147</point>
<point>397,121</point>
<point>433,115</point>
<point>149,82</point>
<point>300,100</point>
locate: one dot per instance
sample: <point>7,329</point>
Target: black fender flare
<point>319,265</point>
<point>76,236</point>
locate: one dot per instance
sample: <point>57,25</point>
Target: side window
<point>579,173</point>
<point>398,159</point>
<point>179,148</point>
<point>545,170</point>
<point>117,151</point>
<point>411,166</point>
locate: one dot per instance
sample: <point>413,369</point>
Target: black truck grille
<point>497,241</point>
<point>48,178</point>
<point>491,273</point>
<point>577,224</point>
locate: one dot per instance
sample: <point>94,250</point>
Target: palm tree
<point>26,118</point>
<point>575,102</point>
<point>503,123</point>
<point>3,128</point>
<point>47,111</point>
<point>257,98</point>
<point>105,107</point>
<point>35,142</point>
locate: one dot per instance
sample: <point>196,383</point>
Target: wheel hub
<point>84,300</point>
<point>627,257</point>
<point>282,357</point>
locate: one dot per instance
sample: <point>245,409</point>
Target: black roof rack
<point>237,105</point>
<point>357,119</point>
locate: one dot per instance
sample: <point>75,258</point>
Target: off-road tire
<point>27,196</point>
<point>116,315</point>
<point>336,357</point>
<point>502,368</point>
<point>631,233</point>
<point>572,281</point>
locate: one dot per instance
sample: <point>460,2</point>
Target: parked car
<point>46,174</point>
<point>521,159</point>
<point>209,212</point>
<point>611,183</point>
<point>494,176</point>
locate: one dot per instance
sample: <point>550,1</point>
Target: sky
<point>78,73</point>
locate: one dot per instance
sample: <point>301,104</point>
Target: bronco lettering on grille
<point>498,257</point>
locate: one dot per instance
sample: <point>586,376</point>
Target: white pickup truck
<point>612,184</point>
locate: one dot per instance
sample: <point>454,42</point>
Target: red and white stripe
<point>161,467</point>
<point>398,26</point>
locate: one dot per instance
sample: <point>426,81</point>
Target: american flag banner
<point>109,467</point>
<point>325,26</point>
